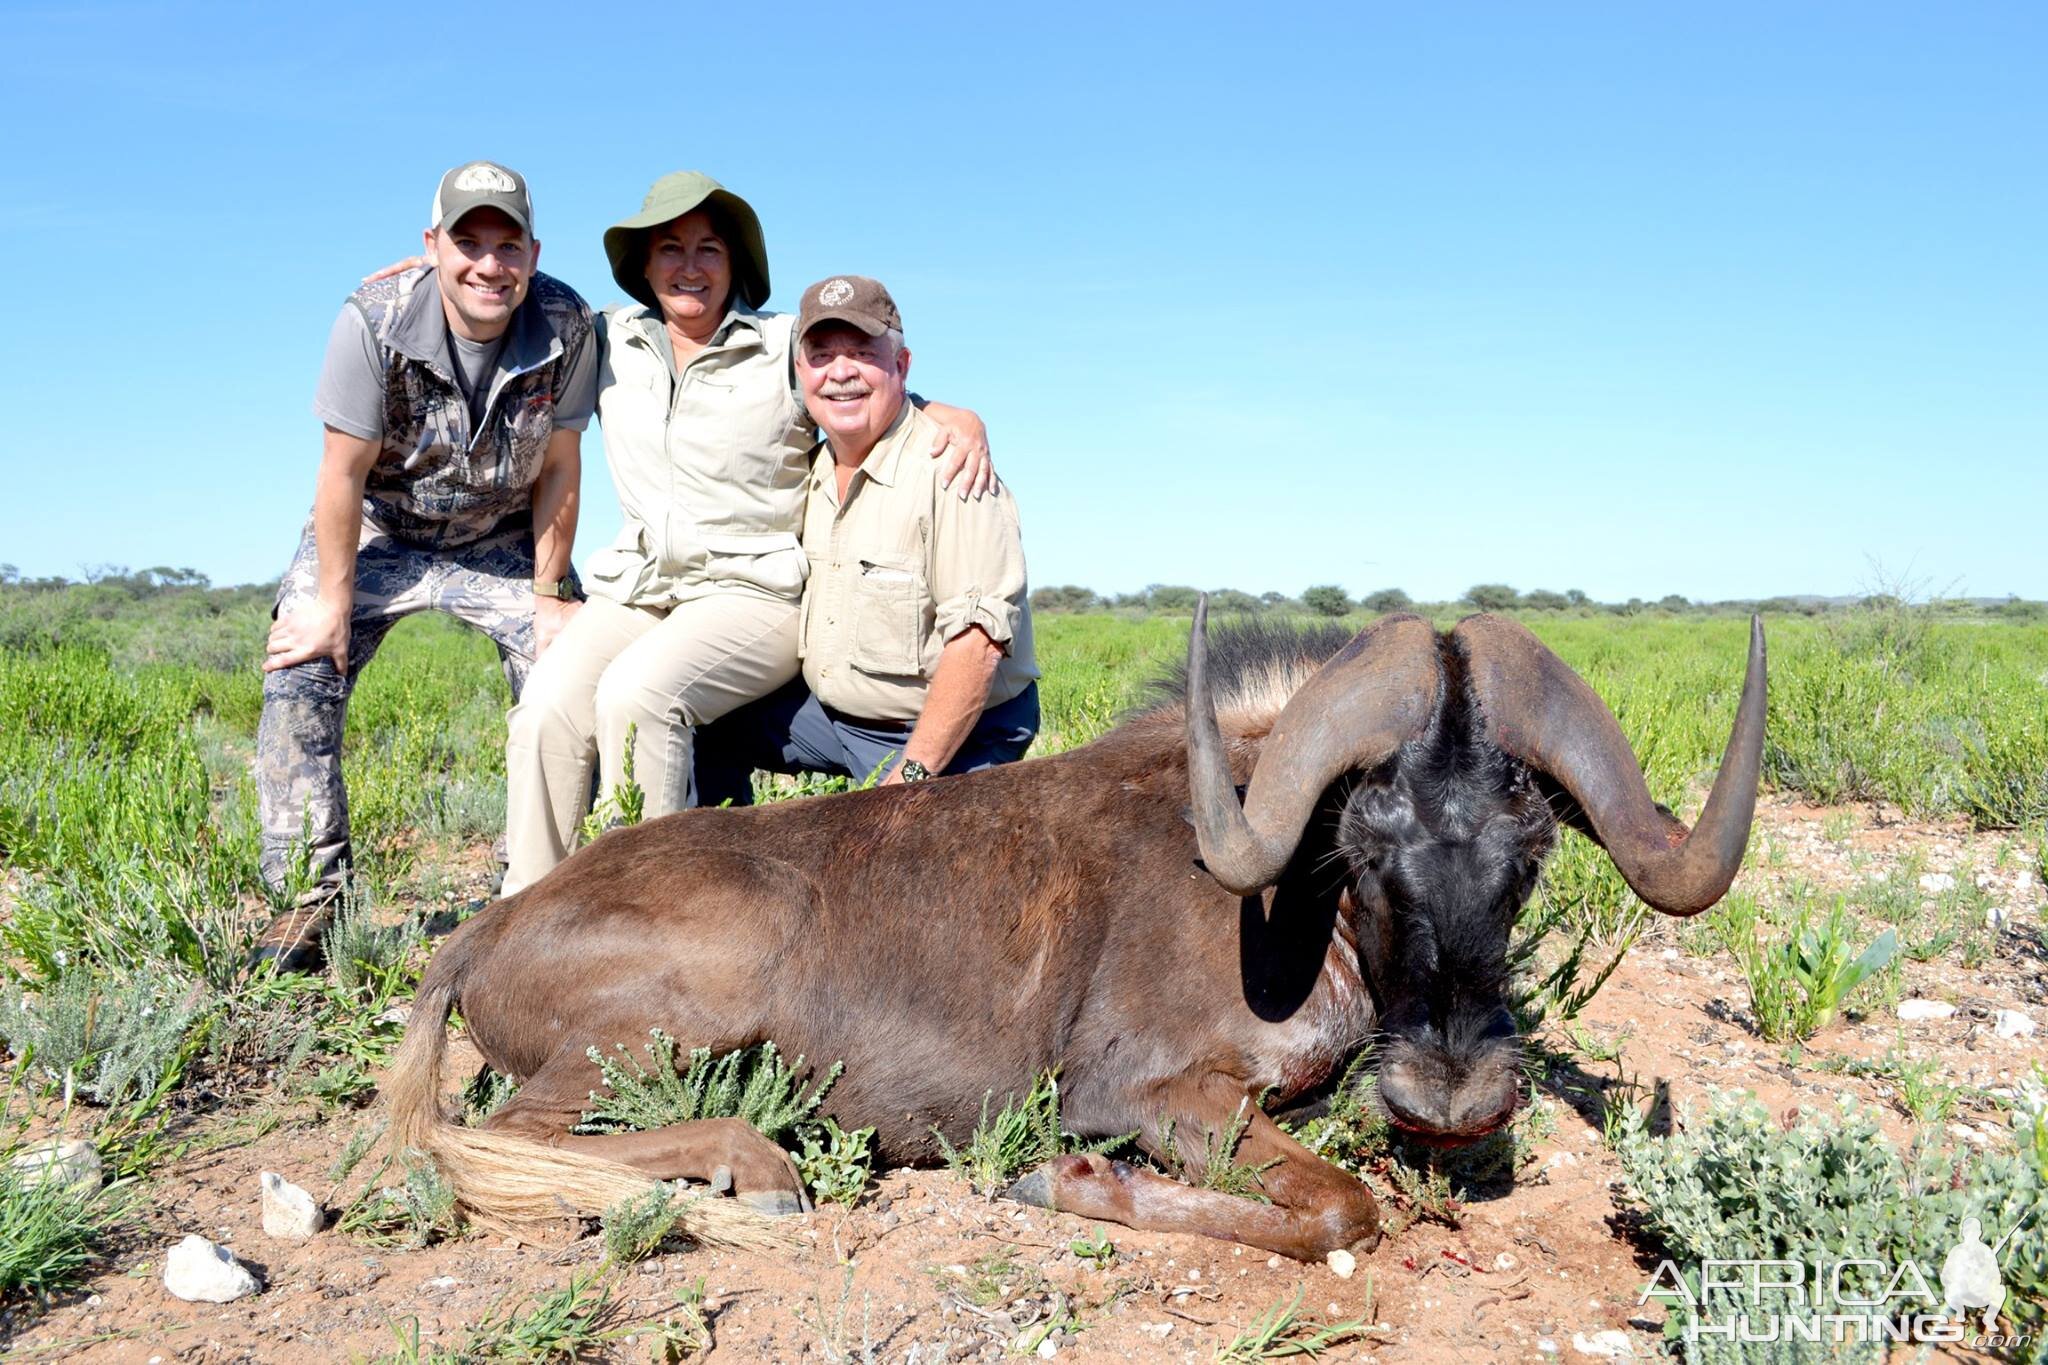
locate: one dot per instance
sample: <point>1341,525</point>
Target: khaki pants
<point>613,667</point>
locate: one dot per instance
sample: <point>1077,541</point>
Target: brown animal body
<point>1109,914</point>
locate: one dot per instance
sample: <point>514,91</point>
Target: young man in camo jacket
<point>453,400</point>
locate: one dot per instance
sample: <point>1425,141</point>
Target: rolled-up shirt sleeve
<point>350,396</point>
<point>977,566</point>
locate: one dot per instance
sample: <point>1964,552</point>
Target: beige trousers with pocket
<point>615,667</point>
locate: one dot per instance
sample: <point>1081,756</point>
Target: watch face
<point>914,771</point>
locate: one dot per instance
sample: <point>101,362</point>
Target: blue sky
<point>1718,300</point>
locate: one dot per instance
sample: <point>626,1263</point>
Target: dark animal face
<point>1442,856</point>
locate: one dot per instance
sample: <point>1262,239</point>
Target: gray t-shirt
<point>350,395</point>
<point>475,362</point>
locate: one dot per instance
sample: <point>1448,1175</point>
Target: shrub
<point>118,1035</point>
<point>753,1083</point>
<point>1733,1184</point>
<point>1326,599</point>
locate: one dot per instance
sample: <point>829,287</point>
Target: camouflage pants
<point>487,584</point>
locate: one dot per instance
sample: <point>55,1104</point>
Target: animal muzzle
<point>1447,1100</point>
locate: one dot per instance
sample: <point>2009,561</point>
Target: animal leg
<point>727,1153</point>
<point>1315,1207</point>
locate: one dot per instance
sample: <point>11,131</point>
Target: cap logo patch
<point>485,177</point>
<point>835,293</point>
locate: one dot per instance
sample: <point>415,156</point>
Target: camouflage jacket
<point>436,482</point>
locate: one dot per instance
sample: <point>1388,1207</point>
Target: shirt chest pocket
<point>888,615</point>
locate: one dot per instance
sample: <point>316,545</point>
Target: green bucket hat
<point>672,196</point>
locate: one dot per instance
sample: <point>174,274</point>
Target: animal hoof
<point>721,1180</point>
<point>774,1203</point>
<point>1035,1189</point>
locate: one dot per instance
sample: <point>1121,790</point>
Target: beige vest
<point>710,464</point>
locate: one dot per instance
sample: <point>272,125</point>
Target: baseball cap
<point>854,299</point>
<point>482,185</point>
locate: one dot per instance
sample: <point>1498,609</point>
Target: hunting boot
<point>292,942</point>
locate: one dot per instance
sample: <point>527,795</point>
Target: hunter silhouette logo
<point>1970,1278</point>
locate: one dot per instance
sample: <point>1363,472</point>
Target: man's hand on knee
<point>550,615</point>
<point>315,631</point>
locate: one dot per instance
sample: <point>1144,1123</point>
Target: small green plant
<point>417,1211</point>
<point>1838,826</point>
<point>686,1330</point>
<point>353,1151</point>
<point>1282,1331</point>
<point>836,1164</point>
<point>1797,984</point>
<point>1219,1167</point>
<point>754,1084</point>
<point>624,804</point>
<point>366,954</point>
<point>575,1322</point>
<point>1915,1083</point>
<point>1098,1250</point>
<point>1025,1133</point>
<point>486,1093</point>
<point>635,1228</point>
<point>834,1332</point>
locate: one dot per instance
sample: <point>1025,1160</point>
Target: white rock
<point>1156,1330</point>
<point>1272,1263</point>
<point>1612,1344</point>
<point>198,1271</point>
<point>1048,1348</point>
<point>2013,1024</point>
<point>1546,1345</point>
<point>1560,1157</point>
<point>288,1211</point>
<point>1914,1010</point>
<point>1504,1261</point>
<point>73,1161</point>
<point>1341,1263</point>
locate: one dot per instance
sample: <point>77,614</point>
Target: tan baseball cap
<point>853,299</point>
<point>482,185</point>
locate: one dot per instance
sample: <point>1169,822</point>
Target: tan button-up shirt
<point>902,567</point>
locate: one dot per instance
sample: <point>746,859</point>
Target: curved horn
<point>1371,697</point>
<point>1541,712</point>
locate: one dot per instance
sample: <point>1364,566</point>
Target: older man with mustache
<point>915,631</point>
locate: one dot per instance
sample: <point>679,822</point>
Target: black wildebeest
<point>1115,913</point>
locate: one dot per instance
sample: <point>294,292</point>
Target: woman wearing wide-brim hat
<point>693,608</point>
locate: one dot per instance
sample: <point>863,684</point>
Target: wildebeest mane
<point>1255,664</point>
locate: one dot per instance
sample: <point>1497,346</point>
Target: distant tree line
<point>102,589</point>
<point>1329,599</point>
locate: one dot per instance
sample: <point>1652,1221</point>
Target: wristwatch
<point>564,588</point>
<point>913,771</point>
